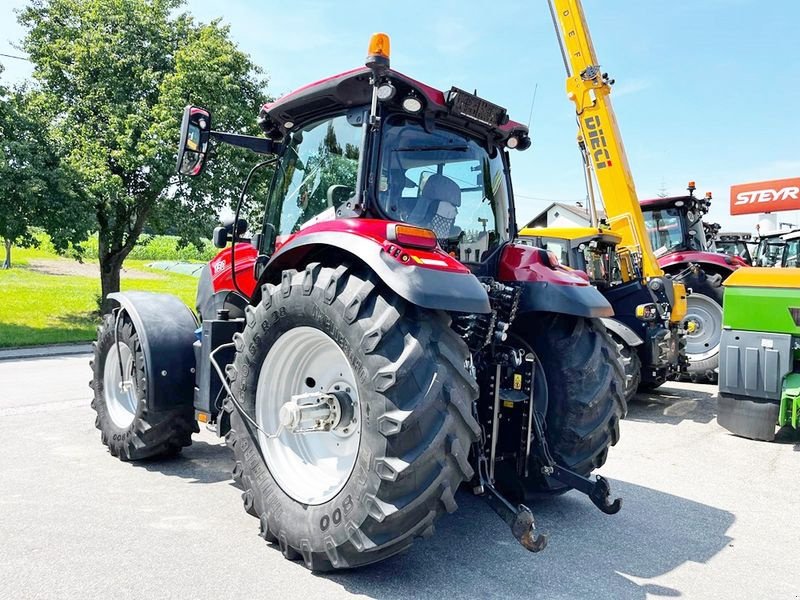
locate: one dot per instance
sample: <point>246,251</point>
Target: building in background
<point>559,214</point>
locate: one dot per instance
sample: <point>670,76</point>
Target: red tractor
<point>678,236</point>
<point>381,339</point>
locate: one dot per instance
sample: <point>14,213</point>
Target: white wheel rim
<point>119,389</point>
<point>310,467</point>
<point>706,316</point>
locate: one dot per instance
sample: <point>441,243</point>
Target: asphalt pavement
<point>705,515</point>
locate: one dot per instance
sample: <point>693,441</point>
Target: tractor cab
<point>734,244</point>
<point>771,247</point>
<point>791,251</point>
<point>592,250</point>
<point>418,156</point>
<point>675,223</point>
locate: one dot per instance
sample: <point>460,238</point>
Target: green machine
<point>759,369</point>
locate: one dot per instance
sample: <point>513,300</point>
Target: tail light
<point>647,312</point>
<point>409,235</point>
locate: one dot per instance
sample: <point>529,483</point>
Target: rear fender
<point>166,330</point>
<point>550,289</point>
<point>708,261</point>
<point>433,288</point>
<point>623,332</point>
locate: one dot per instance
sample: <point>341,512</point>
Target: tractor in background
<point>651,343</point>
<point>677,234</point>
<point>771,246</point>
<point>732,243</point>
<point>380,338</point>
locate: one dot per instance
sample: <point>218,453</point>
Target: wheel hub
<point>703,326</point>
<point>307,394</point>
<point>306,413</point>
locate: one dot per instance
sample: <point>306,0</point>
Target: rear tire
<point>127,426</point>
<point>704,310</point>
<point>415,401</point>
<point>585,390</point>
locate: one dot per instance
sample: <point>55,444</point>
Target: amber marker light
<point>408,235</point>
<point>378,51</point>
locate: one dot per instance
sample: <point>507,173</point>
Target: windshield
<point>317,173</point>
<point>665,228</point>
<point>732,248</point>
<point>446,182</point>
<point>791,254</point>
<point>769,252</point>
<point>673,229</point>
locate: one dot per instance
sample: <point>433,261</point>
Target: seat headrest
<point>441,188</point>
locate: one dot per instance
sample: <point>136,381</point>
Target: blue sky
<point>706,89</point>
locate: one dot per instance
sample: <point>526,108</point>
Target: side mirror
<point>224,234</point>
<point>193,146</point>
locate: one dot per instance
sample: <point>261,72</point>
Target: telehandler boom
<point>649,308</point>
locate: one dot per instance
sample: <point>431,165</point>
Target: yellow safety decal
<point>517,381</point>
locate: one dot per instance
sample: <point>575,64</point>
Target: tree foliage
<point>116,75</point>
<point>36,188</point>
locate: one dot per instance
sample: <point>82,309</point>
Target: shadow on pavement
<point>199,463</point>
<point>674,403</point>
<point>590,555</point>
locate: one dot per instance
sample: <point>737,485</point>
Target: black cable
<point>235,232</point>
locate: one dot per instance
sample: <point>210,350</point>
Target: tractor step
<point>789,413</point>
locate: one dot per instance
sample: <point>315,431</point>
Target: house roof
<point>575,210</point>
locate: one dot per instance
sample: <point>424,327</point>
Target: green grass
<point>38,308</point>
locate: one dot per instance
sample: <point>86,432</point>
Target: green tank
<point>759,370</point>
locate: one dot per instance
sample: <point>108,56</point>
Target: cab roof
<point>353,88</point>
<point>573,234</point>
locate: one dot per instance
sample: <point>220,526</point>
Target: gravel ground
<point>706,515</point>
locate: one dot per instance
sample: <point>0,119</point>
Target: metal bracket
<point>599,491</point>
<point>519,517</point>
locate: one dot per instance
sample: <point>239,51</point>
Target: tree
<point>116,75</point>
<point>36,188</point>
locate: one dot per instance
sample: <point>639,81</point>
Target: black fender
<point>578,300</point>
<point>623,332</point>
<point>166,329</point>
<point>428,288</point>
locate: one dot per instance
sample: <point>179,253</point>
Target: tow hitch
<point>519,517</point>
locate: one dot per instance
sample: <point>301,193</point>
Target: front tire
<point>414,406</point>
<point>128,426</point>
<point>704,326</point>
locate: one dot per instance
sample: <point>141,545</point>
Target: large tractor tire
<point>585,388</point>
<point>377,479</point>
<point>704,326</point>
<point>128,426</point>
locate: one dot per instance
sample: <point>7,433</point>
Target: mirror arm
<point>256,144</point>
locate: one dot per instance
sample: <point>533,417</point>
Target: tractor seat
<point>437,205</point>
